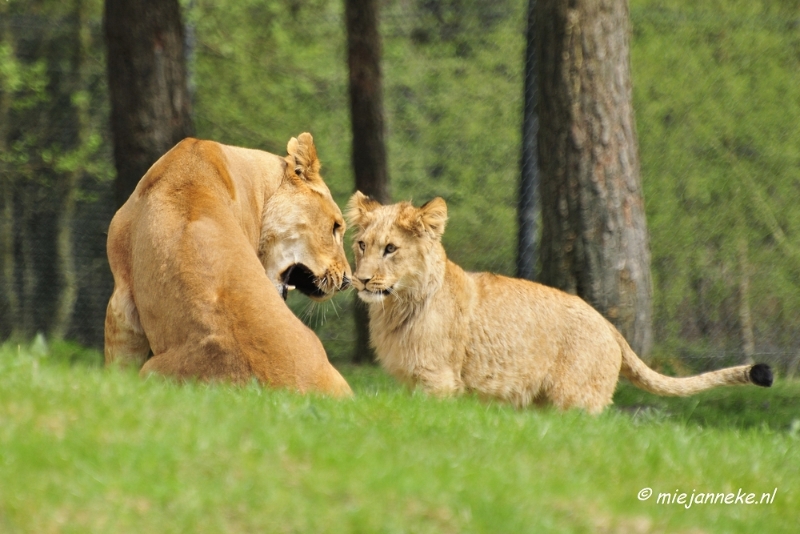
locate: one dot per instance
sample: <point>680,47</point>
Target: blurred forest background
<point>717,99</point>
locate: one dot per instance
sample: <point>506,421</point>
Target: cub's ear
<point>433,217</point>
<point>302,158</point>
<point>360,208</point>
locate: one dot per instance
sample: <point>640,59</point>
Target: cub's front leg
<point>440,381</point>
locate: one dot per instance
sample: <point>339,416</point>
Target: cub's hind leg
<point>588,379</point>
<point>590,396</point>
<point>125,342</point>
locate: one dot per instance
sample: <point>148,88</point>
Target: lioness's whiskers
<point>319,318</point>
<point>305,316</point>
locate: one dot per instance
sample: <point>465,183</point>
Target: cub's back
<point>520,323</point>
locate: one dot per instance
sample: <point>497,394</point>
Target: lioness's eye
<point>336,226</point>
<point>362,246</point>
<point>389,249</point>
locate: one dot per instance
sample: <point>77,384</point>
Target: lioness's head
<point>397,248</point>
<point>303,229</point>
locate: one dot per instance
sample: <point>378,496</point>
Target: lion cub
<point>449,331</point>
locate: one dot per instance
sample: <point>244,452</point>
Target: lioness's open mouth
<point>301,277</point>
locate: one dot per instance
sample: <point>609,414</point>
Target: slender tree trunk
<point>594,236</point>
<point>27,260</point>
<point>9,305</point>
<point>366,114</point>
<point>745,317</point>
<point>528,207</point>
<point>8,295</point>
<point>150,106</point>
<point>67,294</point>
<point>9,301</point>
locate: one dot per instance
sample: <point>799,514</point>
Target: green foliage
<point>88,450</point>
<point>454,107</point>
<point>26,81</point>
<point>267,71</point>
<point>53,77</point>
<point>717,100</point>
<point>23,85</point>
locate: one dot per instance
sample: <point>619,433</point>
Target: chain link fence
<point>717,100</point>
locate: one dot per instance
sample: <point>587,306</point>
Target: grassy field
<point>83,449</point>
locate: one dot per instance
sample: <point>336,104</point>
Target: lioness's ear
<point>360,208</point>
<point>433,216</point>
<point>303,156</point>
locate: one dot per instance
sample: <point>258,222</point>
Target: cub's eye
<point>362,246</point>
<point>336,226</point>
<point>389,249</point>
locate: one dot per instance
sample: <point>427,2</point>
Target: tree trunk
<point>366,113</point>
<point>150,106</point>
<point>67,294</point>
<point>594,236</point>
<point>745,317</point>
<point>9,300</point>
<point>366,99</point>
<point>27,319</point>
<point>528,206</point>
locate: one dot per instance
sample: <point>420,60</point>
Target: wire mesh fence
<point>717,100</point>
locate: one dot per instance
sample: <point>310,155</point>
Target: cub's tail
<point>645,378</point>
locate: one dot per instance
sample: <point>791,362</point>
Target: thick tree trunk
<point>594,236</point>
<point>366,114</point>
<point>150,106</point>
<point>366,99</point>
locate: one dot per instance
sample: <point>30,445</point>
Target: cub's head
<point>303,229</point>
<point>398,249</point>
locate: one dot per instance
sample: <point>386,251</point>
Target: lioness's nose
<point>365,281</point>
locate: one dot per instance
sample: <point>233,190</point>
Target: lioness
<point>450,331</point>
<point>189,251</point>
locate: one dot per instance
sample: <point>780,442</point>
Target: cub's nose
<point>345,283</point>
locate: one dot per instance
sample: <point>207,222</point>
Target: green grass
<point>83,449</point>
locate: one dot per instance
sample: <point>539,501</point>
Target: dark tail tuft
<point>761,375</point>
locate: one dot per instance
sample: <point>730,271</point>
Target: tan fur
<point>449,331</point>
<point>189,251</point>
